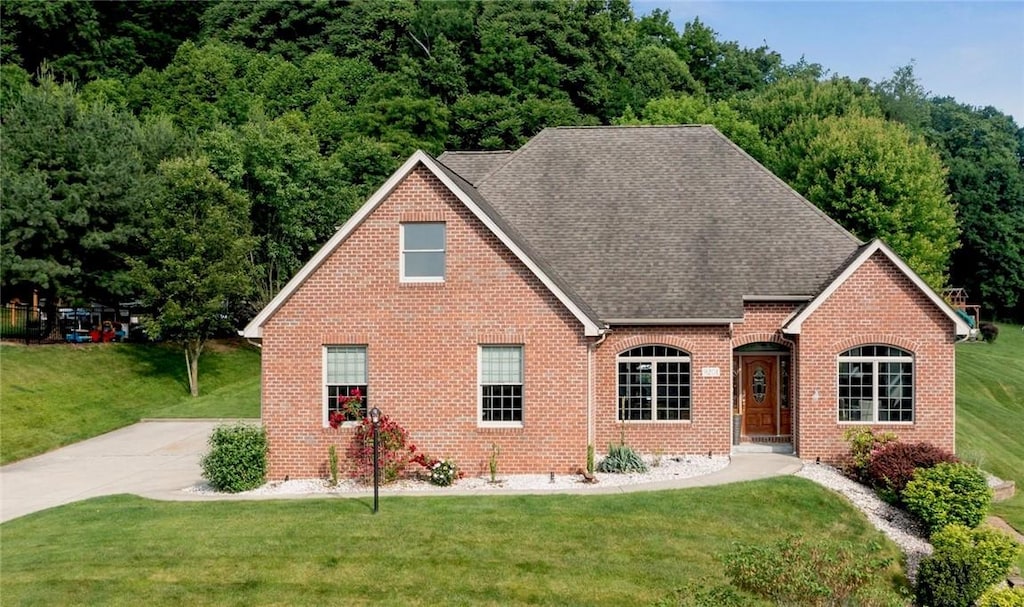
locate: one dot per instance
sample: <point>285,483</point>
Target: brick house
<point>652,282</point>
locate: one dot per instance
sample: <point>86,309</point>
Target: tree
<point>685,109</point>
<point>986,181</point>
<point>74,194</point>
<point>879,181</point>
<point>903,98</point>
<point>197,267</point>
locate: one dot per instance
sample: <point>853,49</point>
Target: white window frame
<point>402,251</point>
<point>654,360</point>
<point>873,361</point>
<point>325,407</point>
<point>480,387</point>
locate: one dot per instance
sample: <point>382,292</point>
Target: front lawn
<point>628,549</point>
<point>55,395</point>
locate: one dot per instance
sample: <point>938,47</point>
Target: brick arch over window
<point>655,340</point>
<point>750,338</point>
<point>897,341</point>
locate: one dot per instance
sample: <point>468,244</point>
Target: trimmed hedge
<point>237,460</point>
<point>948,494</point>
<point>965,563</point>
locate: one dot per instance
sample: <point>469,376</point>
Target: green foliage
<point>75,194</point>
<point>1002,597</point>
<point>708,593</point>
<point>982,149</point>
<point>878,181</point>
<point>794,571</point>
<point>237,460</point>
<point>443,473</point>
<point>948,494</point>
<point>197,266</point>
<point>590,459</point>
<point>622,458</point>
<point>862,442</point>
<point>685,109</point>
<point>965,562</point>
<point>393,449</point>
<point>332,464</point>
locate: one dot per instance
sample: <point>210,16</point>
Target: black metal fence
<point>32,324</point>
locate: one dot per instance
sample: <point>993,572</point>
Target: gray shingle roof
<point>658,223</point>
<point>474,166</point>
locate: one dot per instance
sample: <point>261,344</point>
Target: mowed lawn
<point>990,411</point>
<point>626,549</point>
<point>54,395</point>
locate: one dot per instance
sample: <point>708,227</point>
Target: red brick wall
<point>422,342</point>
<point>709,428</point>
<point>876,305</point>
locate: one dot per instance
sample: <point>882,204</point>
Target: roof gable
<point>794,326</point>
<point>475,203</point>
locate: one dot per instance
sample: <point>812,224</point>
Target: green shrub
<point>1002,597</point>
<point>444,473</point>
<point>947,494</point>
<point>862,442</point>
<point>237,460</point>
<point>620,459</point>
<point>965,563</point>
<point>795,571</point>
<point>332,464</point>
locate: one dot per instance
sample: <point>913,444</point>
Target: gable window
<point>876,384</point>
<point>423,252</point>
<point>654,384</point>
<point>345,382</point>
<point>501,385</point>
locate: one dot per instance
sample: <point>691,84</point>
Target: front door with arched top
<point>760,393</point>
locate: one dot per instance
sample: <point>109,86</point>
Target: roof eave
<point>671,321</point>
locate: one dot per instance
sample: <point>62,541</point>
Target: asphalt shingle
<point>657,223</point>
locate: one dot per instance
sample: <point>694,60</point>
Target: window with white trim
<point>501,385</point>
<point>876,385</point>
<point>654,384</point>
<point>345,386</point>
<point>423,252</point>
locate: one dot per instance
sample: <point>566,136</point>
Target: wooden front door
<point>760,394</point>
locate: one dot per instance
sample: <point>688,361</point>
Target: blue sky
<point>972,51</point>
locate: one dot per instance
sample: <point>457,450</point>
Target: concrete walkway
<point>157,459</point>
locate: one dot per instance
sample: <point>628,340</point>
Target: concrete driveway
<point>148,458</point>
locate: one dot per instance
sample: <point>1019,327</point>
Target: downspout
<point>591,349</point>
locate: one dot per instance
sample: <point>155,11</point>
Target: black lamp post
<point>375,419</point>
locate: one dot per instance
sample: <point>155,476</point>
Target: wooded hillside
<point>118,117</point>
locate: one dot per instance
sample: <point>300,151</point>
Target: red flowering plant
<point>393,450</point>
<point>350,408</point>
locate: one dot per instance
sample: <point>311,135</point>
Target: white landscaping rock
<point>896,524</point>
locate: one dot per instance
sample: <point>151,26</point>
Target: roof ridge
<point>785,185</point>
<point>511,157</point>
<point>689,125</point>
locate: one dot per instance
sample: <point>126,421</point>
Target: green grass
<point>628,549</point>
<point>990,412</point>
<point>54,395</point>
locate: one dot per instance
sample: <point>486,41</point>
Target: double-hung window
<point>654,384</point>
<point>501,385</point>
<point>876,384</point>
<point>423,252</point>
<point>345,385</point>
